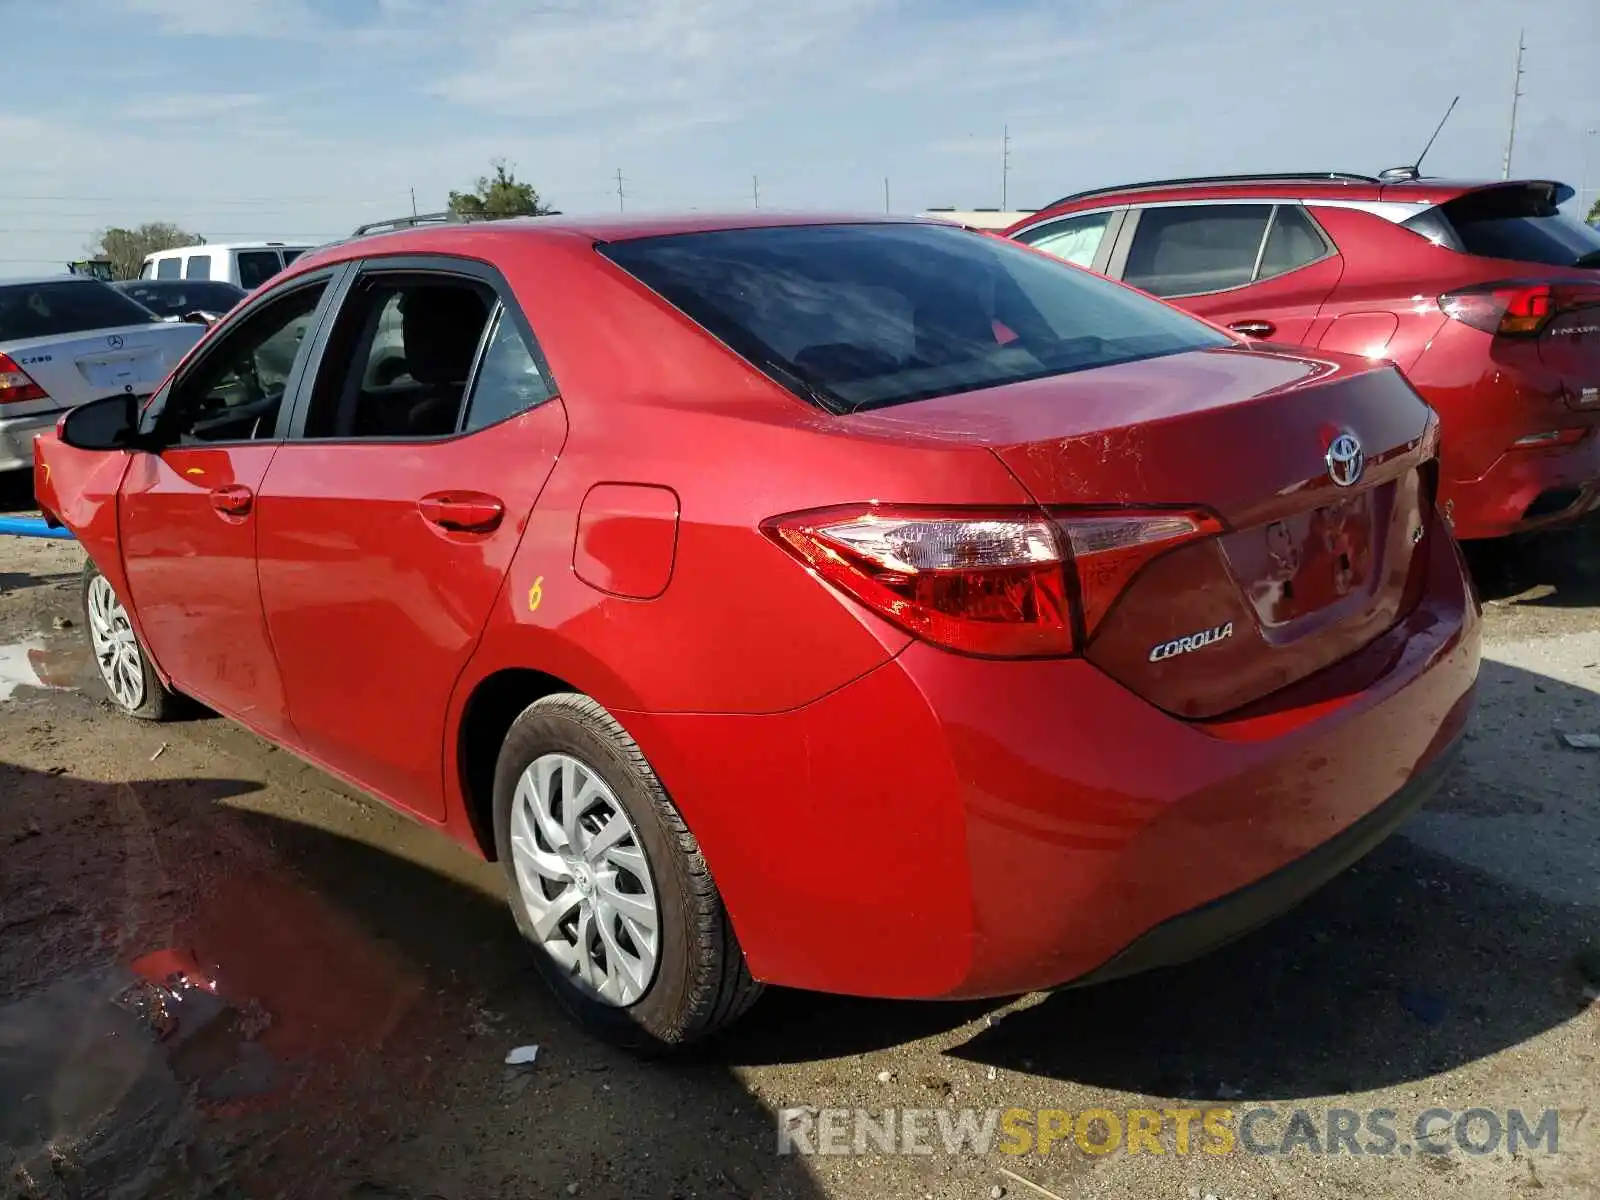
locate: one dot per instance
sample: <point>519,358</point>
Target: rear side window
<point>857,317</point>
<point>70,306</point>
<point>1187,250</point>
<point>169,268</point>
<point>1293,241</point>
<point>256,267</point>
<point>1518,223</point>
<point>198,267</point>
<point>290,255</point>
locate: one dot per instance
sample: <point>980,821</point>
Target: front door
<point>389,518</point>
<point>187,518</point>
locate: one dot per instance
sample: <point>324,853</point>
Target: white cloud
<point>191,106</point>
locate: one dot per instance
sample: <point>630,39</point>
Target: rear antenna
<point>1414,171</point>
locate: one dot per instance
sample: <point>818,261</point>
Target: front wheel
<point>609,884</point>
<point>125,669</point>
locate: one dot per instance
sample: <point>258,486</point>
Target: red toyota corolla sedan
<point>861,605</point>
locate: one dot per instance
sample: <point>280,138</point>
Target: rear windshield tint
<point>861,316</point>
<point>29,310</point>
<point>1522,224</point>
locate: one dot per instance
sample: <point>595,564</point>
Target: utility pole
<point>619,189</point>
<point>1005,165</point>
<point>1583,195</point>
<point>885,193</point>
<point>755,189</point>
<point>1516,94</point>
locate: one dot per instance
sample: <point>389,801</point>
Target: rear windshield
<point>855,317</point>
<point>29,310</point>
<point>174,299</point>
<point>1518,223</point>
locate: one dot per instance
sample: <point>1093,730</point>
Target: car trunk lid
<point>79,367</point>
<point>1309,567</point>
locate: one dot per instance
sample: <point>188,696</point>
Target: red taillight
<point>999,583</point>
<point>16,385</point>
<point>1516,308</point>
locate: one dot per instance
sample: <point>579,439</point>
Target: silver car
<point>65,340</point>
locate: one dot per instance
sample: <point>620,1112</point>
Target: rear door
<point>1260,268</point>
<point>389,519</point>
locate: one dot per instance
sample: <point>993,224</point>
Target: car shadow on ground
<point>378,996</point>
<point>1556,569</point>
<point>1407,965</point>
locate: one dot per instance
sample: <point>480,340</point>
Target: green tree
<point>499,195</point>
<point>126,248</point>
<point>1594,212</point>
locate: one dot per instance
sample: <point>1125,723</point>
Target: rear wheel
<point>125,669</point>
<point>609,884</point>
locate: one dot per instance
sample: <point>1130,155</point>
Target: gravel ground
<point>369,983</point>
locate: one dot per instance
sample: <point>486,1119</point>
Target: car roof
<point>35,280</point>
<point>1318,185</point>
<point>229,246</point>
<point>454,237</point>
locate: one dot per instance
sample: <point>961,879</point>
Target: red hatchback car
<point>859,605</point>
<point>1485,294</point>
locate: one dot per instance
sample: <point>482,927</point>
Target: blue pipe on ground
<point>33,527</point>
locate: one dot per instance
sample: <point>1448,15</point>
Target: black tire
<point>158,702</point>
<point>701,983</point>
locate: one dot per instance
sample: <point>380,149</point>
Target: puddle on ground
<point>56,663</point>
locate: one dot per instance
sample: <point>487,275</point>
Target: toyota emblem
<point>1345,459</point>
<point>115,341</point>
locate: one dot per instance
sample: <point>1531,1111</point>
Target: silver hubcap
<point>116,650</point>
<point>583,879</point>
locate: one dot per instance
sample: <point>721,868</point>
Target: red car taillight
<point>1516,308</point>
<point>16,385</point>
<point>1016,583</point>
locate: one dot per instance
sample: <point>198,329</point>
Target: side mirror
<point>108,424</point>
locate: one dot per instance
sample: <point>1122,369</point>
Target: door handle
<point>232,500</point>
<point>462,512</point>
<point>1254,329</point>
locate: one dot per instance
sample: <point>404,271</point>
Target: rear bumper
<point>1526,490</point>
<point>951,827</point>
<point>1202,930</point>
<point>16,438</point>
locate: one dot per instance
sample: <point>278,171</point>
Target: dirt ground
<point>368,982</point>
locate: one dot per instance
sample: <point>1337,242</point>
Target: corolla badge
<point>1345,459</point>
<point>1190,642</point>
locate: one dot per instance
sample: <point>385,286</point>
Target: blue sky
<point>303,118</point>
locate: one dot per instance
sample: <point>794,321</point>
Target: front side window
<point>861,316</point>
<point>400,358</point>
<point>235,391</point>
<point>1075,240</point>
<point>53,308</point>
<point>1191,249</point>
